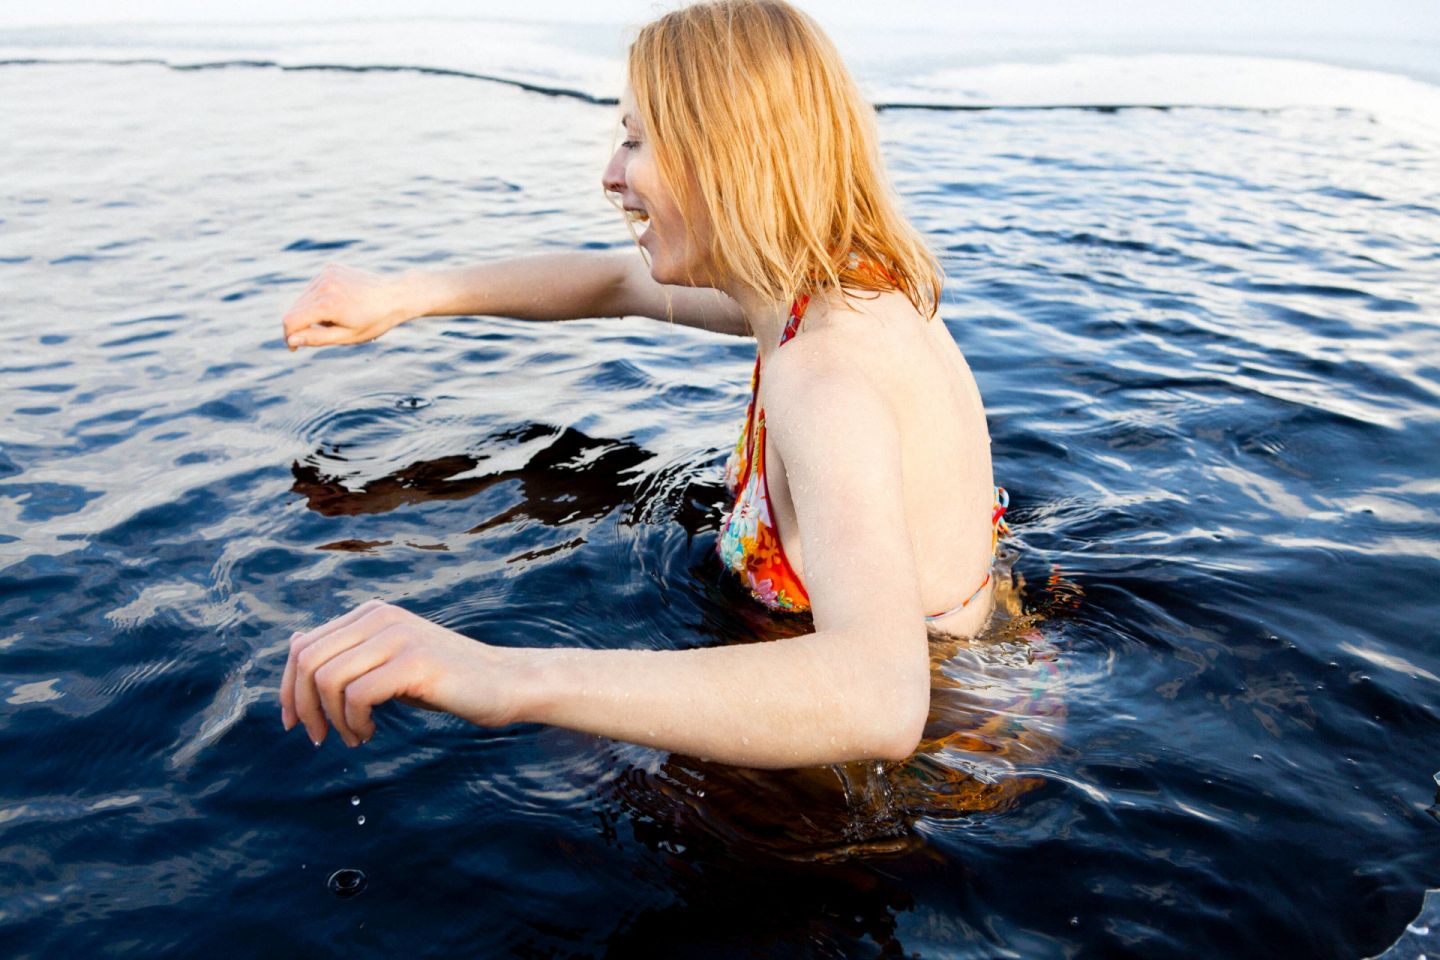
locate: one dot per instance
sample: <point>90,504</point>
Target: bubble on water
<point>360,820</point>
<point>346,883</point>
<point>412,403</point>
<point>354,801</point>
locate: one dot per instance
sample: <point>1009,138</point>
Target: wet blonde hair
<point>755,120</point>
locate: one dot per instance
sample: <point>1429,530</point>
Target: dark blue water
<point>1207,341</point>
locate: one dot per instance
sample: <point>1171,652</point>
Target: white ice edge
<point>590,60</point>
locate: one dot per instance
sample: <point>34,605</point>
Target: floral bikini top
<point>749,540</point>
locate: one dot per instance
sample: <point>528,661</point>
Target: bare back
<point>948,485</point>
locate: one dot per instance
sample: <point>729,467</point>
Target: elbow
<point>904,711</point>
<point>904,735</point>
<point>892,680</point>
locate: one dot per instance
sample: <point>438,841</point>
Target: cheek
<point>642,173</point>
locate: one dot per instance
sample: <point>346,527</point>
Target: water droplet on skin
<point>360,820</point>
<point>346,883</point>
<point>744,739</point>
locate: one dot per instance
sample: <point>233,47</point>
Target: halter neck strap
<point>797,312</point>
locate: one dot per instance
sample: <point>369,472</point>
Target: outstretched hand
<point>341,670</point>
<point>345,305</point>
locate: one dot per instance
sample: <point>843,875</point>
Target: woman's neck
<point>767,317</point>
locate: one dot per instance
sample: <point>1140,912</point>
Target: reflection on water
<point>569,477</point>
<point>1202,722</point>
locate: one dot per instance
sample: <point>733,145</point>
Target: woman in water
<point>861,481</point>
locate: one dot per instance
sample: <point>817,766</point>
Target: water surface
<point>1206,340</point>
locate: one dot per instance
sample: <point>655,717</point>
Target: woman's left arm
<point>858,687</point>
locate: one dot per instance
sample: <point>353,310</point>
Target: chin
<point>663,271</point>
<point>665,267</point>
<point>672,278</point>
<point>660,272</point>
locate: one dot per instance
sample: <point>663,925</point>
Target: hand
<point>379,652</point>
<point>345,305</point>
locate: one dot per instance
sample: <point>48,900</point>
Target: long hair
<point>755,120</point>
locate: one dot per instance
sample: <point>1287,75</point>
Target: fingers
<point>299,641</point>
<point>287,687</point>
<point>299,701</point>
<point>320,313</point>
<point>344,620</point>
<point>314,305</point>
<point>301,316</point>
<point>320,336</point>
<point>313,324</point>
<point>308,708</point>
<point>376,686</point>
<point>334,680</point>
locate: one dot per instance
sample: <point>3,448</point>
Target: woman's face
<point>634,174</point>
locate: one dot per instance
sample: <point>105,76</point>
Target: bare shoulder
<point>863,367</point>
<point>819,386</point>
<point>850,348</point>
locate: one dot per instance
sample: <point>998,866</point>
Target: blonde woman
<point>861,480</point>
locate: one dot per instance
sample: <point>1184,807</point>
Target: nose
<point>614,176</point>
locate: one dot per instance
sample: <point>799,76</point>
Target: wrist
<point>415,295</point>
<point>534,677</point>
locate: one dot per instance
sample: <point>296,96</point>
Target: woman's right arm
<point>346,305</point>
